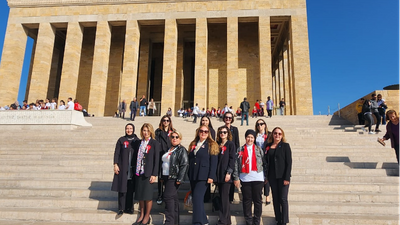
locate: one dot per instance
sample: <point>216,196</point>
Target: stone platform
<point>340,174</point>
<point>42,119</point>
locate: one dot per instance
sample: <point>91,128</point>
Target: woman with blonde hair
<point>175,163</point>
<point>279,169</point>
<point>145,163</point>
<point>203,160</point>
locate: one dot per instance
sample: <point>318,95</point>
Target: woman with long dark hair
<point>123,182</point>
<point>145,163</point>
<point>226,163</point>
<point>205,120</point>
<point>261,129</point>
<point>163,132</point>
<point>279,169</point>
<point>203,160</point>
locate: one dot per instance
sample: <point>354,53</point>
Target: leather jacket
<point>179,164</point>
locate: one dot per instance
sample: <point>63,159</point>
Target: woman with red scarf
<point>250,172</point>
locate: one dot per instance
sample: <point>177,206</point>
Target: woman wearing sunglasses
<point>162,136</point>
<point>261,139</point>
<point>279,168</point>
<point>174,167</point>
<point>203,160</point>
<point>226,163</point>
<point>228,119</point>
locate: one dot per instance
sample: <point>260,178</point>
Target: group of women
<point>263,162</point>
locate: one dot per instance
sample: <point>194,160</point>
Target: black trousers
<point>269,113</point>
<point>171,201</point>
<point>199,188</point>
<point>252,192</point>
<point>225,210</point>
<point>133,114</point>
<point>266,189</point>
<point>378,119</point>
<point>125,199</point>
<point>369,119</point>
<point>360,118</point>
<point>231,192</point>
<point>280,199</point>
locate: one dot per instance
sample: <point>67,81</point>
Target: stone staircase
<point>52,177</point>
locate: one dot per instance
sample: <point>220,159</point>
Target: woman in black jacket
<point>145,162</point>
<point>175,163</point>
<point>203,160</point>
<point>226,163</point>
<point>228,119</point>
<point>279,169</point>
<point>162,135</point>
<point>123,182</point>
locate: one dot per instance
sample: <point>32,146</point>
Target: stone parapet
<point>43,117</point>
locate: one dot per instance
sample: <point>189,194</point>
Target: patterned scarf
<point>246,160</point>
<point>139,163</point>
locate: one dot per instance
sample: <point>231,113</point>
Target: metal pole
<point>329,110</point>
<point>339,108</point>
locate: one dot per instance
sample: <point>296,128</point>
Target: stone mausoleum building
<point>179,52</point>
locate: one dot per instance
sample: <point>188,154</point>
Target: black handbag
<point>216,201</point>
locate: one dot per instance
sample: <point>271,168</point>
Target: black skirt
<point>143,189</point>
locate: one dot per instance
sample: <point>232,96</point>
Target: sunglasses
<point>223,132</point>
<point>204,131</point>
<point>260,124</point>
<point>228,118</point>
<point>174,137</point>
<point>276,133</point>
<point>165,120</point>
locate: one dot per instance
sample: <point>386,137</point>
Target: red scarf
<point>246,160</point>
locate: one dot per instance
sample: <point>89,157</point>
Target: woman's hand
<point>227,177</point>
<point>286,182</point>
<point>178,183</point>
<point>116,169</point>
<point>152,179</point>
<point>210,181</point>
<point>236,183</point>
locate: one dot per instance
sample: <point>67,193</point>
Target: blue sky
<point>354,49</point>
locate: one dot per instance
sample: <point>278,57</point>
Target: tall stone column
<point>11,63</point>
<point>143,76</point>
<point>301,64</point>
<point>179,76</point>
<point>169,65</point>
<point>232,62</point>
<point>264,33</point>
<point>200,75</point>
<point>286,81</point>
<point>98,84</point>
<point>131,60</point>
<point>71,63</point>
<point>42,63</point>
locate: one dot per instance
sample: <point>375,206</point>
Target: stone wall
<point>350,113</point>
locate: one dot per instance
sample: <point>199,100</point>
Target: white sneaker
<point>363,129</point>
<point>371,132</point>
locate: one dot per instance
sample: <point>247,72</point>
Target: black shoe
<point>148,222</point>
<point>137,222</point>
<point>129,211</point>
<point>377,130</point>
<point>120,213</point>
<point>159,201</point>
<point>267,203</point>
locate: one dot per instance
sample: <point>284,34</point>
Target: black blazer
<point>283,161</point>
<point>202,165</point>
<point>123,147</point>
<point>235,136</point>
<point>226,161</point>
<point>163,138</point>
<point>151,158</point>
<point>212,133</point>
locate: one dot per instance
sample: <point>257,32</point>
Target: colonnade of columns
<point>278,83</point>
